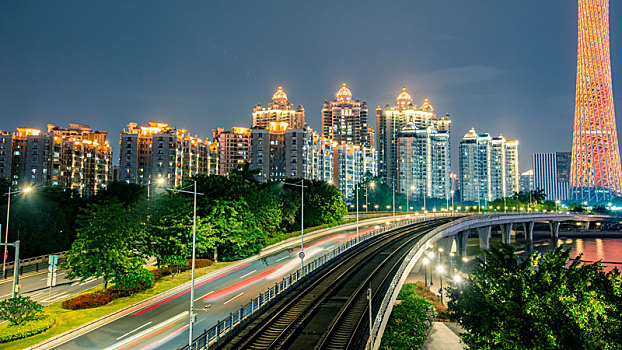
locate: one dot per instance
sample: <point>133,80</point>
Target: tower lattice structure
<point>595,168</point>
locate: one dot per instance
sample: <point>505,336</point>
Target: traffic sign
<point>301,255</point>
<point>52,268</point>
<point>53,259</point>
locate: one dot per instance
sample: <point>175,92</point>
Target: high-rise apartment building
<point>551,174</point>
<point>525,183</point>
<point>392,120</point>
<point>488,167</point>
<point>159,151</point>
<point>233,148</point>
<point>423,166</point>
<point>279,110</point>
<point>74,158</point>
<point>345,120</point>
<point>279,152</point>
<point>595,171</point>
<point>351,164</point>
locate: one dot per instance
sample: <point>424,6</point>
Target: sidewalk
<point>443,335</point>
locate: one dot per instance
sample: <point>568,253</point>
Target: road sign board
<point>53,259</point>
<point>52,268</point>
<point>301,255</point>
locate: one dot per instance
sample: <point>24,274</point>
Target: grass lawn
<point>69,319</point>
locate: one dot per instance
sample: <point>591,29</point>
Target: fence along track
<point>278,326</point>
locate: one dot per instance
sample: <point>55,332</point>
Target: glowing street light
<point>457,278</point>
<point>6,235</point>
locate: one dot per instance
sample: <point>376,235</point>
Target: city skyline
<point>113,70</point>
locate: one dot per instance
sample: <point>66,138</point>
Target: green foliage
<point>409,322</point>
<point>108,242</point>
<point>19,309</point>
<point>38,324</point>
<point>135,280</point>
<point>540,302</point>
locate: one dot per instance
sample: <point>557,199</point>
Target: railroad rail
<point>330,310</point>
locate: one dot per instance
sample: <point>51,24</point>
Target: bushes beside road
<point>36,325</point>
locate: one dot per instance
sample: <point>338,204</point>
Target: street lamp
<point>6,235</point>
<point>452,200</point>
<point>194,239</point>
<point>440,269</point>
<point>302,223</point>
<point>425,270</point>
<point>159,181</point>
<point>431,256</point>
<point>557,205</point>
<point>457,278</point>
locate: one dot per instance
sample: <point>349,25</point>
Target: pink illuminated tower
<point>595,168</point>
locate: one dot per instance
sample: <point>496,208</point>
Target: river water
<point>608,250</point>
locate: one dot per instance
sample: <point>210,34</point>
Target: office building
<point>159,151</point>
<point>345,120</point>
<point>595,171</point>
<point>550,174</point>
<point>279,110</point>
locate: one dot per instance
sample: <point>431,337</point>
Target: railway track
<point>329,310</point>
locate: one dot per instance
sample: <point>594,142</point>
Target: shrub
<point>19,309</point>
<point>134,281</point>
<point>86,301</point>
<point>162,272</point>
<point>442,313</point>
<point>410,321</point>
<point>200,263</point>
<point>36,325</point>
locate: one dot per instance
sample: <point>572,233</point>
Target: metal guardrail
<point>34,264</point>
<point>248,311</point>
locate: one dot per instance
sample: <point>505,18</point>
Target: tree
<point>539,302</point>
<point>19,309</point>
<point>109,242</point>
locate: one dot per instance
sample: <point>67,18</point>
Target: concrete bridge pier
<point>484,237</point>
<point>446,243</point>
<point>528,230</point>
<point>506,231</point>
<point>554,226</point>
<point>461,242</point>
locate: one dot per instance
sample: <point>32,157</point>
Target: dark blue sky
<point>499,66</point>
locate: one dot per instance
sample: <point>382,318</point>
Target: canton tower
<point>595,168</point>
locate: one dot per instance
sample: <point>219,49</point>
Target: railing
<point>34,264</point>
<point>248,312</point>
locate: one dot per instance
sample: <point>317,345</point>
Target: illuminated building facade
<point>423,162</point>
<point>551,174</point>
<point>345,120</point>
<point>233,148</point>
<point>74,158</point>
<point>279,110</point>
<point>6,146</point>
<point>279,152</point>
<point>390,123</point>
<point>488,167</point>
<point>351,163</point>
<point>159,151</point>
<point>525,182</point>
<point>595,171</point>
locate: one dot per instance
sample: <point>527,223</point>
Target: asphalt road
<point>164,323</point>
<point>34,285</point>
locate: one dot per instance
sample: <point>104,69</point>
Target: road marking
<point>226,302</point>
<point>39,293</point>
<point>248,274</point>
<point>6,295</point>
<point>283,258</point>
<point>203,296</point>
<point>156,344</point>
<point>146,331</point>
<point>130,332</point>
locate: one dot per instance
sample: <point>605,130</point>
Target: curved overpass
<point>459,231</point>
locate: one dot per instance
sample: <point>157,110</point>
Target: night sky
<point>499,66</point>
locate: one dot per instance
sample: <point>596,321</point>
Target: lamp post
<point>302,222</point>
<point>557,205</point>
<point>191,319</point>
<point>393,201</point>
<point>158,182</point>
<point>425,270</point>
<point>452,201</point>
<point>431,256</point>
<point>440,269</point>
<point>6,235</point>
